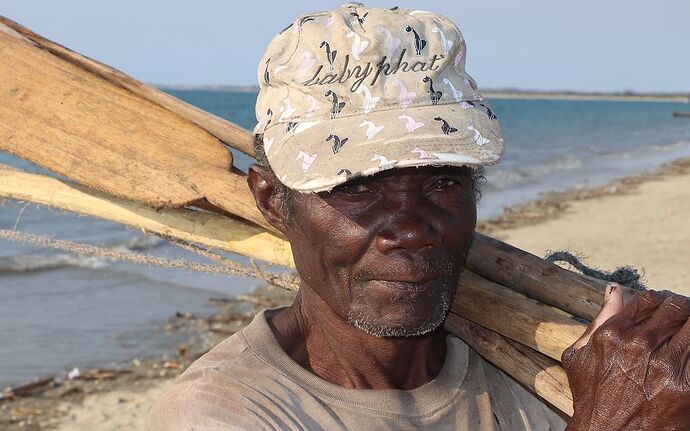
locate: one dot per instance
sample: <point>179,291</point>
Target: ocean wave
<point>30,262</point>
<point>516,176</point>
<point>674,146</point>
<point>139,243</point>
<point>42,262</point>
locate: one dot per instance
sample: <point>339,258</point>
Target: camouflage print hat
<point>356,90</point>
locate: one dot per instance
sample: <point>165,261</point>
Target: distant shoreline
<point>572,95</point>
<point>488,93</point>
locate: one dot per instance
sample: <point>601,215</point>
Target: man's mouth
<point>415,283</point>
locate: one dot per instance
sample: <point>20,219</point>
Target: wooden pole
<point>533,276</point>
<point>512,314</point>
<point>209,229</point>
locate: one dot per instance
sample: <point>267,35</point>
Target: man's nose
<point>408,230</point>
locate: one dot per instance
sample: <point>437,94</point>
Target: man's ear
<point>265,188</point>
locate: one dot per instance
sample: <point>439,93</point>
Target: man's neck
<point>322,342</point>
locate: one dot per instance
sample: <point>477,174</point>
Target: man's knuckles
<point>639,344</point>
<point>608,337</point>
<point>676,305</point>
<point>648,300</point>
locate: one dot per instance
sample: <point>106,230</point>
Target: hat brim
<point>316,156</point>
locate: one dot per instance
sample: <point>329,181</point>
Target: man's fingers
<point>667,320</point>
<point>681,339</point>
<point>640,308</point>
<point>613,304</point>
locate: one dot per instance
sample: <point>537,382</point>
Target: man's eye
<point>443,183</point>
<point>353,189</point>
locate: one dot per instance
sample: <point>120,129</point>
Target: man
<point>371,138</point>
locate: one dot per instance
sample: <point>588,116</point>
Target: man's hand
<point>631,368</point>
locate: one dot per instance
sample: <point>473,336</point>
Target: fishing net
<point>623,275</point>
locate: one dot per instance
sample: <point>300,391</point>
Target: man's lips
<point>409,281</point>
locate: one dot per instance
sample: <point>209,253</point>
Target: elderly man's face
<point>385,252</point>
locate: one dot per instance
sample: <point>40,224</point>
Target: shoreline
<point>554,204</point>
<point>611,97</point>
<point>121,397</point>
<point>487,93</point>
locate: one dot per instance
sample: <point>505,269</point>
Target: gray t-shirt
<point>248,382</point>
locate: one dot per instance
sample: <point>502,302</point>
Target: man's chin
<point>400,322</point>
<point>398,331</point>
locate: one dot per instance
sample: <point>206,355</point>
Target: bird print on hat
<point>368,101</point>
<point>336,105</point>
<point>419,43</point>
<point>406,97</point>
<point>372,128</point>
<point>330,55</point>
<point>446,128</point>
<point>337,142</point>
<point>433,94</point>
<point>478,138</point>
<point>359,44</point>
<point>392,42</point>
<point>410,123</point>
<point>445,43</point>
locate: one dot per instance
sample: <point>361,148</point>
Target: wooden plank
<point>228,132</point>
<point>212,230</point>
<point>77,124</point>
<point>542,375</point>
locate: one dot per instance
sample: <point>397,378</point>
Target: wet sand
<point>639,221</point>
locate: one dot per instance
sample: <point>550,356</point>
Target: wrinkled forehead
<point>410,175</point>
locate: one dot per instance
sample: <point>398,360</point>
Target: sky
<point>584,45</point>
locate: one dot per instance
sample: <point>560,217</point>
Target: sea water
<point>59,311</point>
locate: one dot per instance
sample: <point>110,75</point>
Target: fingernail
<point>609,289</point>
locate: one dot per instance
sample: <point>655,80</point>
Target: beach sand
<point>640,221</point>
<point>115,410</point>
<point>649,230</point>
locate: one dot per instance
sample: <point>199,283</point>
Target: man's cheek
<point>348,242</point>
